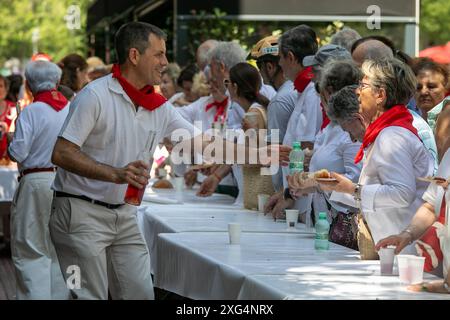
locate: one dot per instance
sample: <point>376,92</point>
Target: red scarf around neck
<point>303,79</point>
<point>53,98</point>
<point>325,119</point>
<point>220,108</point>
<point>145,97</point>
<point>397,116</point>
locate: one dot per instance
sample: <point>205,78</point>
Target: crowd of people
<point>375,118</point>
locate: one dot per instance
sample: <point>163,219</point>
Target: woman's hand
<point>301,180</point>
<point>342,184</point>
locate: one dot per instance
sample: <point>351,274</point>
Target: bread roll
<point>322,174</point>
<point>162,184</point>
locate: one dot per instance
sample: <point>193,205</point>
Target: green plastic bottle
<point>296,158</point>
<point>322,230</point>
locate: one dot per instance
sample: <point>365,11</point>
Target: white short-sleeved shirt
<point>36,132</point>
<point>434,195</point>
<point>303,125</point>
<point>391,193</point>
<point>104,123</point>
<point>306,119</point>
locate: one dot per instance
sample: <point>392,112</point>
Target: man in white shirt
<point>38,275</point>
<point>108,125</point>
<point>279,110</point>
<point>306,118</point>
<point>222,58</point>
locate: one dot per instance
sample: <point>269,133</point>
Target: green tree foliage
<point>20,18</point>
<point>434,22</point>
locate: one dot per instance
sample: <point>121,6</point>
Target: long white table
<point>202,214</point>
<point>270,266</point>
<point>191,256</point>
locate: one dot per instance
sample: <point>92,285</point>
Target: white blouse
<point>391,193</point>
<point>334,151</point>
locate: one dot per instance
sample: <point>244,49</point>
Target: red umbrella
<point>440,54</point>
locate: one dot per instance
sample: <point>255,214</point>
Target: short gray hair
<point>42,76</point>
<point>395,77</point>
<point>229,53</point>
<point>343,104</point>
<point>345,38</point>
<point>337,74</point>
<point>203,51</point>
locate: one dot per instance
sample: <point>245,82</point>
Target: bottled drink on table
<point>296,158</point>
<point>322,231</point>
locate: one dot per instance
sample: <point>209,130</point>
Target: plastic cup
<point>410,268</point>
<point>386,260</point>
<point>134,195</point>
<point>416,269</point>
<point>234,232</point>
<point>291,218</point>
<point>262,200</point>
<point>179,185</point>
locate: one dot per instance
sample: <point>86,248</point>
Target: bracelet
<point>408,231</point>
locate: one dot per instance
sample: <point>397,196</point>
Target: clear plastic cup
<point>416,269</point>
<point>386,260</point>
<point>291,218</point>
<point>262,200</point>
<point>179,186</point>
<point>410,268</point>
<point>234,232</point>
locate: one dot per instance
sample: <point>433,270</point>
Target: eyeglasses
<point>226,82</point>
<point>363,85</point>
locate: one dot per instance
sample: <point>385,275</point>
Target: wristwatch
<point>446,286</point>
<point>357,192</point>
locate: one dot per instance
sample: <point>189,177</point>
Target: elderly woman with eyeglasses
<point>388,192</point>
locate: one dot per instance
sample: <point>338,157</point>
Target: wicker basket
<point>254,184</point>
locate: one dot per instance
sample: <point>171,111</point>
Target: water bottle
<point>322,230</point>
<point>296,158</point>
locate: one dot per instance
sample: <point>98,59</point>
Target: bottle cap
<point>296,145</point>
<point>322,215</point>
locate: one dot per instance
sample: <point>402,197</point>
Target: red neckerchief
<point>53,98</point>
<point>326,121</point>
<point>397,116</point>
<point>145,97</point>
<point>303,79</point>
<point>220,108</point>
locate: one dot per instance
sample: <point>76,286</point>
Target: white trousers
<point>105,245</point>
<point>38,275</point>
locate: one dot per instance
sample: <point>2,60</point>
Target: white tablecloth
<point>311,286</point>
<point>202,214</point>
<point>269,266</point>
<point>8,183</point>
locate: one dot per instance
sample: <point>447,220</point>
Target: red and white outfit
<point>394,159</point>
<point>304,123</point>
<point>38,274</point>
<point>103,239</point>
